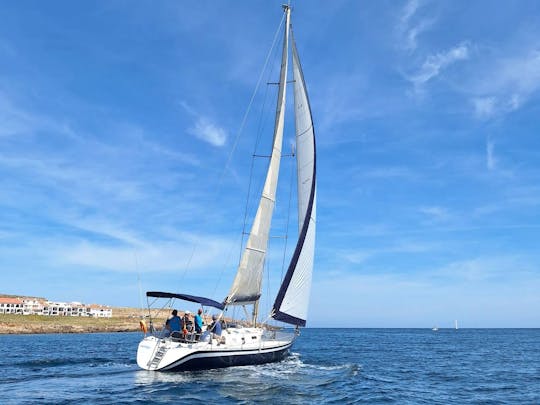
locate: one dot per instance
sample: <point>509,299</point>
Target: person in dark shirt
<point>174,323</point>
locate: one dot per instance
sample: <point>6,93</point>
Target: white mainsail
<point>246,287</point>
<point>292,301</point>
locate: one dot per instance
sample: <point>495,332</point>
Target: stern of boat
<point>146,351</point>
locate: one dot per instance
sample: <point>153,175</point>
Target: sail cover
<point>292,301</point>
<point>246,287</point>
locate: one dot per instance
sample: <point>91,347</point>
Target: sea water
<point>326,366</point>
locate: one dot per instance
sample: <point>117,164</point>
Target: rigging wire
<point>239,133</point>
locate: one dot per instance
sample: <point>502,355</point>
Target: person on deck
<point>216,327</point>
<point>174,323</point>
<point>188,323</point>
<point>198,322</point>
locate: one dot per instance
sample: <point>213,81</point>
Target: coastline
<point>126,320</point>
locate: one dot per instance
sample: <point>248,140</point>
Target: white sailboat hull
<point>242,346</point>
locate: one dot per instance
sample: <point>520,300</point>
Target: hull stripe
<point>226,358</point>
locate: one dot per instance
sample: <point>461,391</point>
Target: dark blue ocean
<point>326,366</point>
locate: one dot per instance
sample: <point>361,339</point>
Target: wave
<point>60,362</point>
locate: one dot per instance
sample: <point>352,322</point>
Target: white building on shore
<point>40,306</point>
<point>10,305</point>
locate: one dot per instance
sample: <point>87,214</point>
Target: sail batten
<point>247,283</point>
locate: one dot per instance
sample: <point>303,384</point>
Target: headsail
<point>246,287</point>
<point>292,301</point>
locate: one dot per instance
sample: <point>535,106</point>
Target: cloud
<point>87,186</point>
<point>152,257</point>
<point>493,269</point>
<point>493,106</point>
<point>408,11</point>
<point>484,106</point>
<point>434,64</point>
<point>204,128</point>
<point>436,214</point>
<point>208,132</point>
<point>360,256</point>
<point>506,84</point>
<point>408,30</point>
<point>356,257</point>
<point>101,227</point>
<point>119,248</point>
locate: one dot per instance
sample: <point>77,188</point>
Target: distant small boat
<point>434,329</point>
<point>455,325</point>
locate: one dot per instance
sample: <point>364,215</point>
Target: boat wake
<point>65,368</point>
<point>61,362</point>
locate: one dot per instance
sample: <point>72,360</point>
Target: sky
<point>125,153</point>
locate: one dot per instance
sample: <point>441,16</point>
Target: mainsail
<point>246,287</point>
<point>292,301</point>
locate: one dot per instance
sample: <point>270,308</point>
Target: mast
<point>246,287</point>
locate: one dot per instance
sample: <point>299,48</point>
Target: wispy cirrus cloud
<point>484,106</point>
<point>485,268</point>
<point>409,28</point>
<point>436,214</point>
<point>408,11</point>
<point>506,83</point>
<point>152,256</point>
<point>360,256</point>
<point>204,128</point>
<point>435,64</point>
<point>207,131</point>
<point>83,185</point>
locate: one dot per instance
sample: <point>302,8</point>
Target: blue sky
<point>121,153</point>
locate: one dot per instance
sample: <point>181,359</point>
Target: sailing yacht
<point>256,343</point>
